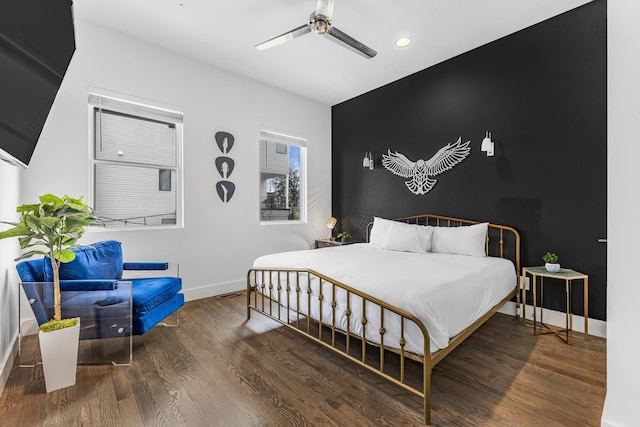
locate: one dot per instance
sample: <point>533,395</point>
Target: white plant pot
<point>60,356</point>
<point>552,268</point>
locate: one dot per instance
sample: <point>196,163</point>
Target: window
<point>136,166</point>
<point>282,178</point>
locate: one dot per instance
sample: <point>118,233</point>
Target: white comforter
<point>446,292</point>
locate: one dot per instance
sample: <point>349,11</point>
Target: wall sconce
<point>488,145</point>
<point>368,161</point>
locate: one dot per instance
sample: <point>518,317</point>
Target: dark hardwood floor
<point>215,369</point>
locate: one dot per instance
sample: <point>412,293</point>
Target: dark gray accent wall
<point>542,94</point>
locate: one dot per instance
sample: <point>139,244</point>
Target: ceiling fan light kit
<point>320,22</point>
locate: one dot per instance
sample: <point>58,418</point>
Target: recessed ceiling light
<point>403,41</point>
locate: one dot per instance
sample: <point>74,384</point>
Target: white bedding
<point>446,292</point>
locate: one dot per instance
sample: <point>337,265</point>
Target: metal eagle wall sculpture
<point>421,171</point>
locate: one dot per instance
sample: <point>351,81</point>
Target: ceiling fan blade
<point>351,43</point>
<point>325,8</point>
<point>300,31</point>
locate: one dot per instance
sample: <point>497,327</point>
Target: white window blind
<point>136,163</point>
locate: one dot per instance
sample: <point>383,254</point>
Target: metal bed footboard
<point>285,295</point>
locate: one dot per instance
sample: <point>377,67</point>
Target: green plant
<point>56,223</point>
<point>550,258</point>
<point>344,235</point>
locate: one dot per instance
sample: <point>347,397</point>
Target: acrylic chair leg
<point>171,321</point>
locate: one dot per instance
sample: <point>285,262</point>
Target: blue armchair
<point>92,282</point>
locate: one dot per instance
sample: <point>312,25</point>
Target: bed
<point>414,291</point>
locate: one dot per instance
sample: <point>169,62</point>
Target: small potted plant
<point>55,224</point>
<point>343,236</point>
<point>551,262</point>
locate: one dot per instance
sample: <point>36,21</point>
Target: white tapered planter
<point>60,356</point>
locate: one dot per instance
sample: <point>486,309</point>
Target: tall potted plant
<point>51,228</point>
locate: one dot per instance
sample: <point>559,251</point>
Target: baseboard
<point>597,327</point>
<point>213,290</point>
<point>604,420</point>
<point>7,362</point>
<point>28,326</point>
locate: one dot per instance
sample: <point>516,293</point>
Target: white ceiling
<point>223,33</point>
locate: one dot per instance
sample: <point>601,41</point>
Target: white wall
<point>623,287</point>
<point>219,241</point>
<point>9,188</point>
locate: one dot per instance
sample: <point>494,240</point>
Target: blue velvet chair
<point>93,289</point>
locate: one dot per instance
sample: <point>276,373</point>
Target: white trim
<point>137,109</point>
<point>28,326</point>
<point>605,416</point>
<point>283,222</point>
<point>132,99</point>
<point>284,137</point>
<point>597,327</point>
<point>7,362</point>
<point>214,289</point>
<point>606,423</point>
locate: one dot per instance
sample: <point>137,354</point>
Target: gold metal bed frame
<point>265,296</point>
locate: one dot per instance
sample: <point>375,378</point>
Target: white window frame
<point>280,137</point>
<point>128,106</point>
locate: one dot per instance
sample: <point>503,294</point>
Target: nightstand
<point>326,243</point>
<point>568,276</point>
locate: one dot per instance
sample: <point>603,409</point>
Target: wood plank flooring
<point>215,369</point>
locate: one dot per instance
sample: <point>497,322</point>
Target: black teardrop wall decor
<point>224,166</point>
<point>225,190</point>
<point>225,141</point>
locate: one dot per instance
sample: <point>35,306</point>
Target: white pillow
<point>379,231</point>
<point>408,238</point>
<point>463,240</point>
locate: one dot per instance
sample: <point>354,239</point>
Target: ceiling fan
<point>320,22</point>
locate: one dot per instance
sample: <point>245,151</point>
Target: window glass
<point>282,178</point>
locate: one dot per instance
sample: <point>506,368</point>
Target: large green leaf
<point>15,232</point>
<point>29,242</point>
<point>49,221</point>
<point>69,243</point>
<point>32,240</point>
<point>28,208</point>
<point>67,255</point>
<point>51,199</point>
<point>31,221</point>
<point>30,254</point>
